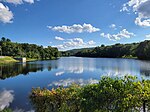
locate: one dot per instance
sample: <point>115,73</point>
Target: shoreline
<point>9,60</point>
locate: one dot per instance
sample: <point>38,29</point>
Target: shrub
<point>109,95</point>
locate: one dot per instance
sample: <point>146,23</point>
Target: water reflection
<point>103,66</point>
<point>71,65</point>
<point>12,70</point>
<point>62,72</point>
<point>6,97</point>
<point>22,110</point>
<point>116,67</point>
<point>59,73</point>
<point>68,82</point>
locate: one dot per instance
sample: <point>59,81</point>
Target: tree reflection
<point>145,73</point>
<point>12,70</point>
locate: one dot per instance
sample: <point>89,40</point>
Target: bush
<point>110,94</point>
<point>56,100</point>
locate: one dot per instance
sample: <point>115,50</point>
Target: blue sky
<point>69,24</point>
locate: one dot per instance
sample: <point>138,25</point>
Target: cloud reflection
<point>68,82</point>
<point>21,110</point>
<point>6,97</point>
<point>76,65</point>
<point>59,73</point>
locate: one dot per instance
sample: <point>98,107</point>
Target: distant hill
<point>74,51</point>
<point>139,50</point>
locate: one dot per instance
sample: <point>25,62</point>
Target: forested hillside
<point>73,51</point>
<point>8,48</point>
<point>139,50</point>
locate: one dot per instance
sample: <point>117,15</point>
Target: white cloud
<point>6,15</point>
<point>91,42</point>
<point>18,2</point>
<point>142,9</point>
<point>113,26</point>
<point>13,1</point>
<point>29,1</point>
<point>69,81</point>
<point>74,43</point>
<point>59,38</point>
<point>147,36</point>
<point>122,34</point>
<point>76,28</point>
<point>6,97</point>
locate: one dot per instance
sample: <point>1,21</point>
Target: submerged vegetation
<point>109,95</point>
<point>31,51</point>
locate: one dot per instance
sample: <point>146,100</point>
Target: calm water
<point>17,80</point>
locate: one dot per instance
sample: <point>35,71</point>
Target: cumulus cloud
<point>113,26</point>
<point>59,38</point>
<point>147,36</point>
<point>69,81</point>
<point>13,1</point>
<point>122,34</point>
<point>73,43</point>
<point>6,15</point>
<point>76,28</point>
<point>76,42</point>
<point>91,42</point>
<point>141,8</point>
<point>29,1</point>
<point>6,97</point>
<point>18,2</point>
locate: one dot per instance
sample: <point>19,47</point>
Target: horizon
<point>75,24</point>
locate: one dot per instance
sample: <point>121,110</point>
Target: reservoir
<point>17,80</point>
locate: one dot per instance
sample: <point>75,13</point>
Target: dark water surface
<point>17,80</point>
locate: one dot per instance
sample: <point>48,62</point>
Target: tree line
<point>139,50</point>
<point>8,48</point>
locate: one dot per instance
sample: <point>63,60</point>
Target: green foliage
<point>73,51</point>
<point>56,100</point>
<point>140,50</point>
<point>109,95</point>
<point>63,53</point>
<point>143,50</point>
<point>9,48</point>
<point>113,51</point>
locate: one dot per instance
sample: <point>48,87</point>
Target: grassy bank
<point>7,60</point>
<point>129,57</point>
<point>31,59</point>
<point>34,59</point>
<point>109,95</point>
